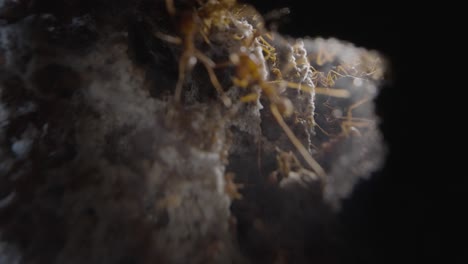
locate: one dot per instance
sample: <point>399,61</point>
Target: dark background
<point>411,209</point>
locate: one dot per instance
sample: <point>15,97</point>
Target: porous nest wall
<point>99,164</point>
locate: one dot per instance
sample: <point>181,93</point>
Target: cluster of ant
<point>259,72</point>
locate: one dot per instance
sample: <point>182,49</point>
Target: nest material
<point>98,164</point>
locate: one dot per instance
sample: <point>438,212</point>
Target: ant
<point>248,74</point>
<point>350,123</point>
<point>189,26</point>
<point>349,126</point>
<point>249,71</point>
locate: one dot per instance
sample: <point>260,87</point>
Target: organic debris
<point>177,131</point>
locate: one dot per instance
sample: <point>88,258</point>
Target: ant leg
<point>342,69</point>
<point>249,98</point>
<point>168,38</point>
<point>352,126</point>
<point>354,106</point>
<point>305,154</point>
<point>349,125</point>
<point>340,93</point>
<point>323,130</point>
<point>181,79</point>
<point>209,65</point>
<point>268,35</point>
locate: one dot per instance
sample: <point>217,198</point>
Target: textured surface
<point>98,164</point>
